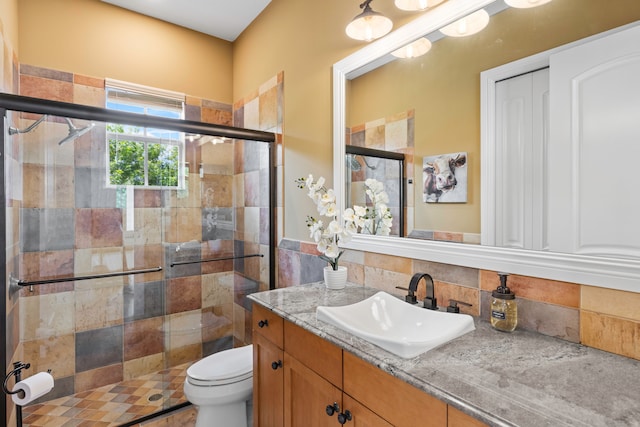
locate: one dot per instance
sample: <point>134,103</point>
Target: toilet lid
<point>225,367</point>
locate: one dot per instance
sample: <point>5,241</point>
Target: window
<point>144,156</point>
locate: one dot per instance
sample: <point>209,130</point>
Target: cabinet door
<point>393,399</point>
<point>268,381</point>
<point>307,395</point>
<point>361,416</point>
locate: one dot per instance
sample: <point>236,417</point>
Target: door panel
<point>595,141</point>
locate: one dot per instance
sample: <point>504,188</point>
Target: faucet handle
<point>453,306</point>
<point>430,303</point>
<point>410,297</point>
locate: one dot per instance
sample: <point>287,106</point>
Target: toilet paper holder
<point>17,372</point>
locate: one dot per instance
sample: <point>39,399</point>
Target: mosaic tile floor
<point>111,405</point>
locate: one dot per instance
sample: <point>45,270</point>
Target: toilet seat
<point>226,367</point>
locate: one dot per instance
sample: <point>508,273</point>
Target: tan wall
<point>303,39</point>
<point>444,88</point>
<point>9,23</point>
<point>94,38</point>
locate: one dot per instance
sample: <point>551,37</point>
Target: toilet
<point>220,385</point>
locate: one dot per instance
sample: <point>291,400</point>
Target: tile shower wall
<point>597,317</point>
<point>98,332</point>
<point>260,110</point>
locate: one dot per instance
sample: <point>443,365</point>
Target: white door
<point>522,130</point>
<point>594,147</point>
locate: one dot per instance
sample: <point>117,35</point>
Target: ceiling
<point>225,19</point>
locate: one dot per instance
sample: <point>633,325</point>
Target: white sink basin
<point>403,329</point>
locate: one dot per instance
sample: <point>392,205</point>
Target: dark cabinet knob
<point>263,323</point>
<point>276,365</point>
<point>332,409</point>
<point>344,417</point>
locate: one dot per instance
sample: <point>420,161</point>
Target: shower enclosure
<point>107,282</point>
<point>387,167</point>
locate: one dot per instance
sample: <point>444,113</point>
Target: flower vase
<point>335,279</point>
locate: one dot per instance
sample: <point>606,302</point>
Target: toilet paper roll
<point>33,387</point>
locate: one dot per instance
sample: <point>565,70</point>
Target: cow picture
<point>445,178</point>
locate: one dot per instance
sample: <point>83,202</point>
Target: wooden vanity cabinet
<point>306,396</point>
<point>391,398</point>
<point>268,372</point>
<point>312,378</point>
<point>298,374</point>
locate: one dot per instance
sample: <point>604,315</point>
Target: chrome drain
<point>154,397</point>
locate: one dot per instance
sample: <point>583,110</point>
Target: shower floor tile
<point>111,405</point>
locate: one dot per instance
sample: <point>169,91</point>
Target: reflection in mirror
<point>443,89</point>
<point>366,167</point>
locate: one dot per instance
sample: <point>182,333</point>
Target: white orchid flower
<point>328,197</point>
<point>330,210</point>
<point>334,227</point>
<point>315,230</point>
<point>349,215</point>
<point>360,210</point>
<point>319,184</point>
<point>332,250</point>
<point>382,210</point>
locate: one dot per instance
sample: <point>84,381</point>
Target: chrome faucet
<point>430,300</point>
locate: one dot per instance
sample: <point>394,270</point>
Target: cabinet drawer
<point>268,324</point>
<point>318,354</point>
<point>405,406</point>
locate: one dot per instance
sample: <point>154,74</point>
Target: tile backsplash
<point>596,317</point>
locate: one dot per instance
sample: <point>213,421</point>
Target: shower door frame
<point>385,155</point>
<point>32,105</point>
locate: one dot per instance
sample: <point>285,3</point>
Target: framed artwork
<point>444,178</point>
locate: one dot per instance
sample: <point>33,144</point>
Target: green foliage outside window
<point>127,161</point>
<point>163,165</point>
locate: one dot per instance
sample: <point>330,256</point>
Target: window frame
<point>144,135</point>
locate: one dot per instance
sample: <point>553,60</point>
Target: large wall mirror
<point>447,92</point>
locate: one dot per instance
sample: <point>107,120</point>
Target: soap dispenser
<point>504,309</point>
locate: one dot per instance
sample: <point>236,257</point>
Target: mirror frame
<point>613,273</point>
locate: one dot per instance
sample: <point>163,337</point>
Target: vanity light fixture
<point>413,49</point>
<point>414,5</point>
<point>524,4</point>
<point>369,25</point>
<point>468,25</point>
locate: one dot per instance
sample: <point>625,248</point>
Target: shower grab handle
<point>198,261</point>
<point>75,279</point>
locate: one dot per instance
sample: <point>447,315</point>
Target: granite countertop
<point>503,379</point>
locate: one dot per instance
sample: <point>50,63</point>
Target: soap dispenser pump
<point>504,309</point>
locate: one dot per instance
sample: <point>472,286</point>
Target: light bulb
<point>468,25</point>
<point>369,26</point>
<point>414,49</point>
<point>462,26</point>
